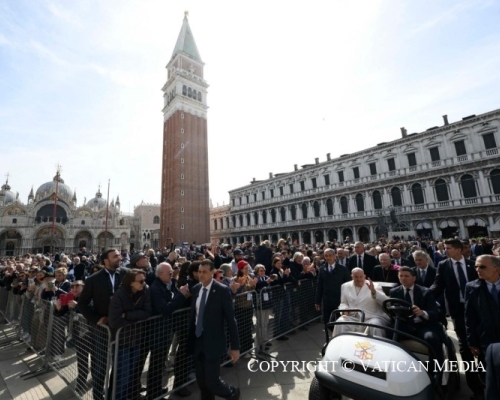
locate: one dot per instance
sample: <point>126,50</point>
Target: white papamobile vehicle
<point>365,367</point>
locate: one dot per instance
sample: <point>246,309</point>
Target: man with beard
<point>94,306</point>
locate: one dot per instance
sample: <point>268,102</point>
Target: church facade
<point>51,221</point>
<point>440,183</point>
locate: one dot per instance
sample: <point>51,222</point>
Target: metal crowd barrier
<point>4,296</point>
<point>284,308</point>
<point>152,355</point>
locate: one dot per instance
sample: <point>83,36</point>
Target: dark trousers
<point>160,345</point>
<point>434,337</point>
<point>493,372</point>
<point>82,362</point>
<point>472,378</point>
<point>98,360</point>
<point>208,375</point>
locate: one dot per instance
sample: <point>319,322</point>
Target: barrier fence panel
<point>244,314</point>
<point>182,361</point>
<point>4,295</point>
<point>141,355</point>
<point>284,308</point>
<point>13,307</point>
<point>306,294</point>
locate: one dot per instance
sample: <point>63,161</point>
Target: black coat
<point>264,256</point>
<point>329,288</point>
<point>430,276</point>
<point>482,315</point>
<point>282,278</point>
<point>164,301</point>
<point>424,299</point>
<point>96,295</point>
<point>219,309</point>
<point>79,272</point>
<point>381,275</point>
<point>446,283</point>
<point>135,306</point>
<point>369,262</point>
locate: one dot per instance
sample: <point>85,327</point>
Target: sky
<point>80,84</point>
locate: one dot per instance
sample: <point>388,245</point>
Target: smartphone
<point>50,285</point>
<point>63,298</point>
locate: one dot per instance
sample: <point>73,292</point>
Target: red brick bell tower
<point>185,192</point>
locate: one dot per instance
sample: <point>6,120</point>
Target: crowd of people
<point>455,278</point>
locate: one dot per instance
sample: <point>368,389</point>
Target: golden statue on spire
<point>186,13</point>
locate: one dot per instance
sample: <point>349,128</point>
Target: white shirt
<point>455,270</point>
<point>200,294</point>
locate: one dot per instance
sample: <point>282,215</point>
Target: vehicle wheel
<point>318,392</point>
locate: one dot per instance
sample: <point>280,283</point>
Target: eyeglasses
<point>481,266</point>
<point>142,281</point>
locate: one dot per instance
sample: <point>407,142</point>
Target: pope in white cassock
<point>367,296</point>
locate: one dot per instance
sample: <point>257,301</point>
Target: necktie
<point>494,293</point>
<point>201,312</point>
<point>407,296</point>
<point>461,277</point>
<point>422,276</point>
<point>330,268</point>
<point>360,262</point>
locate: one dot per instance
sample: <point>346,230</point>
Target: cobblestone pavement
<point>15,360</point>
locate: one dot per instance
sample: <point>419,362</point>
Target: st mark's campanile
<point>184,191</point>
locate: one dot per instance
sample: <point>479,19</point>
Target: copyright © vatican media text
<point>379,366</point>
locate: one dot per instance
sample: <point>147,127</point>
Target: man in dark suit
<point>397,259</point>
<point>94,306</point>
<point>426,273</point>
<point>211,306</point>
<point>424,323</point>
<point>451,279</point>
<point>362,260</point>
<point>331,276</point>
<point>482,306</point>
<point>165,299</point>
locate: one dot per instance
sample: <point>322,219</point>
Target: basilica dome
<point>9,196</point>
<point>97,201</point>
<point>47,189</point>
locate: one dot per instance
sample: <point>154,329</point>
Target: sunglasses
<point>481,266</point>
<point>142,281</point>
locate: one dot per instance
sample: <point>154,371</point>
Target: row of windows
<point>191,93</point>
<point>489,142</point>
<point>467,183</point>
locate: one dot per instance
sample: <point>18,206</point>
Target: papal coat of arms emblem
<point>364,350</point>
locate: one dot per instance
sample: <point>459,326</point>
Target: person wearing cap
<point>141,261</point>
<point>238,256</point>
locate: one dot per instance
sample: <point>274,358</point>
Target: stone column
<point>483,185</point>
<point>372,233</point>
<point>435,230</point>
<point>406,196</point>
<point>455,191</point>
<point>462,228</point>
